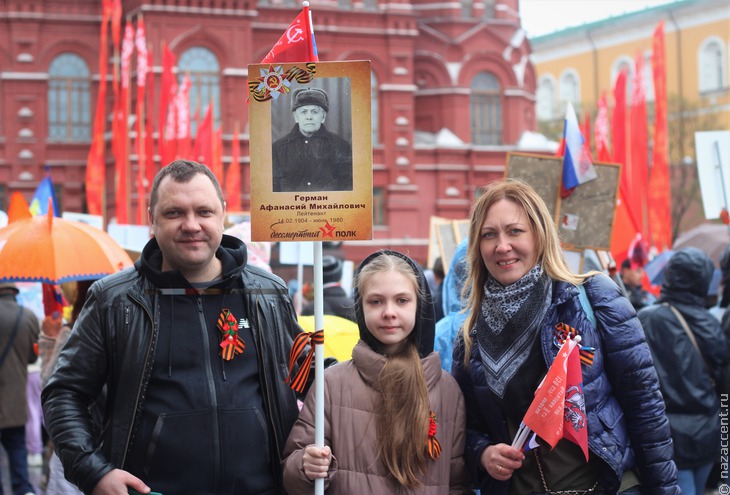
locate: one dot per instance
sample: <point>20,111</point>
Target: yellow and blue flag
<point>44,192</point>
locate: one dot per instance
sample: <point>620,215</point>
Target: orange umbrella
<point>53,250</point>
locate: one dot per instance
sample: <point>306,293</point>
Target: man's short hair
<point>182,171</point>
<point>309,96</point>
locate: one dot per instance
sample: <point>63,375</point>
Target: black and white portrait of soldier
<point>309,157</point>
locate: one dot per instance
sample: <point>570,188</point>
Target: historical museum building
<point>453,90</point>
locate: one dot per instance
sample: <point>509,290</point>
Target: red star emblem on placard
<point>328,230</point>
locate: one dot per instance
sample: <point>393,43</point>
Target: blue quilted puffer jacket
<point>627,425</point>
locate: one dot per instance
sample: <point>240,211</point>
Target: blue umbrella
<point>655,268</point>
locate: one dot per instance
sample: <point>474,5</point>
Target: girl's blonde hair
<point>402,418</point>
<point>547,245</point>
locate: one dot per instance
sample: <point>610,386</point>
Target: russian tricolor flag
<point>577,163</point>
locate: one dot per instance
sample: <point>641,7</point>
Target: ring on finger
<point>499,469</point>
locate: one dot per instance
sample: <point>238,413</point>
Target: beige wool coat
<point>350,406</point>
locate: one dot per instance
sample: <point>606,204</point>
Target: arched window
<point>486,109</point>
<point>204,71</point>
<point>546,99</point>
<point>374,91</point>
<point>711,66</point>
<point>569,91</point>
<point>69,109</point>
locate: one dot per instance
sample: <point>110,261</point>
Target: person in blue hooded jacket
<point>521,291</point>
<point>687,370</point>
<point>453,305</point>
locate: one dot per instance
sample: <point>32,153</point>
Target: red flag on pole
<point>217,155</point>
<point>618,123</point>
<point>95,166</point>
<point>638,171</point>
<point>121,134</point>
<point>585,130</point>
<point>659,203</point>
<point>142,58</point>
<point>170,131</point>
<point>545,414</point>
<point>168,92</point>
<point>558,409</point>
<point>575,422</point>
<point>601,131</point>
<point>625,225</point>
<point>150,168</point>
<point>297,43</point>
<point>203,149</point>
<point>182,110</point>
<point>232,183</point>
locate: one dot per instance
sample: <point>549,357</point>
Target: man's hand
<point>118,482</point>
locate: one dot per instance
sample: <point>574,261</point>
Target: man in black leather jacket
<point>192,345</point>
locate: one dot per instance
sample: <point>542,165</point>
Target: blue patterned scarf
<point>511,316</point>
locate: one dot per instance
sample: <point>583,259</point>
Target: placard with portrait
<point>311,151</point>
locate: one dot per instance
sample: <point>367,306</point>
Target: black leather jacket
<point>112,345</point>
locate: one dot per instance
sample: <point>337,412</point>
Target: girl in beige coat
<point>394,421</point>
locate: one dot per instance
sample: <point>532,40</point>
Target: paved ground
<point>35,477</point>
<point>34,472</point>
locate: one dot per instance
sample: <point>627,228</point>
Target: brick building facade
<point>453,90</point>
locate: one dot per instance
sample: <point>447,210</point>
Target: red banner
<point>545,414</point>
<point>150,167</point>
<point>601,131</point>
<point>95,167</point>
<point>618,123</point>
<point>575,422</point>
<point>182,112</point>
<point>216,162</point>
<point>142,152</point>
<point>203,150</point>
<point>638,169</point>
<point>166,113</point>
<point>232,184</point>
<point>121,131</point>
<point>659,202</point>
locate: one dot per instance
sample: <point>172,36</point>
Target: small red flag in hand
<point>558,409</point>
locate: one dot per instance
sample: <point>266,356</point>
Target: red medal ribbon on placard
<point>231,343</point>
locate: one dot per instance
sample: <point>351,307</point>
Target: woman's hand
<point>501,460</point>
<point>316,461</point>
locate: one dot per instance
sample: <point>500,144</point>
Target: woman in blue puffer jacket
<point>521,290</point>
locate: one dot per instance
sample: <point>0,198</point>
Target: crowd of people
<point>172,376</point>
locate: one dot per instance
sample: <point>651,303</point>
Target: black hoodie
<point>202,413</point>
<point>424,329</point>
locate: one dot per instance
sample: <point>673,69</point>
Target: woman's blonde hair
<point>402,417</point>
<point>547,245</point>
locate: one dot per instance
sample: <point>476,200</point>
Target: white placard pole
<point>318,359</point>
